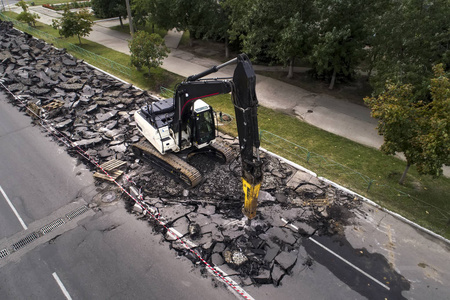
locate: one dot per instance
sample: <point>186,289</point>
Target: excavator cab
<point>203,125</point>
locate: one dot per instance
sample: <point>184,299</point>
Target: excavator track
<point>169,162</point>
<point>223,152</point>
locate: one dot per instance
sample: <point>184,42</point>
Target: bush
<point>147,50</point>
<point>71,5</point>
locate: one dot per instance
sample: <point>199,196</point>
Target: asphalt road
<point>36,175</point>
<point>102,254</point>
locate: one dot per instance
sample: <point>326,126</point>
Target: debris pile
<point>95,110</point>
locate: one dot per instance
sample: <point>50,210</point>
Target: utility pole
<point>130,20</point>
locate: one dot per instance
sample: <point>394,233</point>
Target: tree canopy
<point>278,31</point>
<point>396,40</point>
<point>147,50</point>
<point>25,15</point>
<point>407,39</point>
<point>419,129</point>
<point>109,9</point>
<point>74,23</point>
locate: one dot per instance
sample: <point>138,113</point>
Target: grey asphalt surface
<point>37,177</point>
<point>108,256</point>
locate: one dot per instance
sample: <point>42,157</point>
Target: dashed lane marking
<point>350,264</point>
<point>61,286</point>
<point>13,208</point>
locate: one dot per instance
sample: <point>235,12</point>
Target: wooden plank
<point>112,164</point>
<point>114,175</point>
<point>53,105</point>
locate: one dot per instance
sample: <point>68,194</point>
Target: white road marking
<point>13,209</point>
<point>350,264</point>
<point>61,286</point>
<point>292,225</point>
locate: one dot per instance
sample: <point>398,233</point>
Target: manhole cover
<point>109,196</point>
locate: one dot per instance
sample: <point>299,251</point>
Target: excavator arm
<point>242,87</point>
<point>245,106</point>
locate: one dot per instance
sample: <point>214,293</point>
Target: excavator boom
<point>245,106</point>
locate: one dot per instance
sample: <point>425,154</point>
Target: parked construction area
<point>91,114</point>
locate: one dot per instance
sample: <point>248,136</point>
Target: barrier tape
<point>66,141</point>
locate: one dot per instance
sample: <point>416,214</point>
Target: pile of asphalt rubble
<point>97,113</point>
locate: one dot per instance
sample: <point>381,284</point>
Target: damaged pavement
<point>95,111</point>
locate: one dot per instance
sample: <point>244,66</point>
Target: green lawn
<point>429,206</point>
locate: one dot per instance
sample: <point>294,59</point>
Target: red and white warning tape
<point>66,141</point>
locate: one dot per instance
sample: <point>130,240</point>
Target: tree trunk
<point>79,40</point>
<point>402,179</point>
<point>333,79</point>
<point>121,23</point>
<point>153,27</point>
<point>227,48</point>
<point>191,41</point>
<point>372,63</point>
<point>291,68</point>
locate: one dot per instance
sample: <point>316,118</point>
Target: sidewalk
<point>334,115</point>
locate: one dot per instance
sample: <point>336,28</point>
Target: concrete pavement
<point>335,115</point>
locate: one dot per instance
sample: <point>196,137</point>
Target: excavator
<point>185,125</point>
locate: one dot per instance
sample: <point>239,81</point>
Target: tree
<point>141,9</point>
<point>202,18</point>
<point>217,25</point>
<point>341,38</point>
<point>26,16</point>
<point>279,31</point>
<point>296,36</point>
<point>71,23</point>
<point>147,50</point>
<point>408,38</point>
<point>419,129</point>
<point>160,12</point>
<point>196,16</point>
<point>109,9</point>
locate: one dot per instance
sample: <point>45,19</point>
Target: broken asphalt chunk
<point>88,142</point>
<point>287,259</point>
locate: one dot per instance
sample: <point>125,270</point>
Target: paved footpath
<point>334,115</point>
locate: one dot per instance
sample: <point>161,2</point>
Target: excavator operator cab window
<point>204,126</point>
